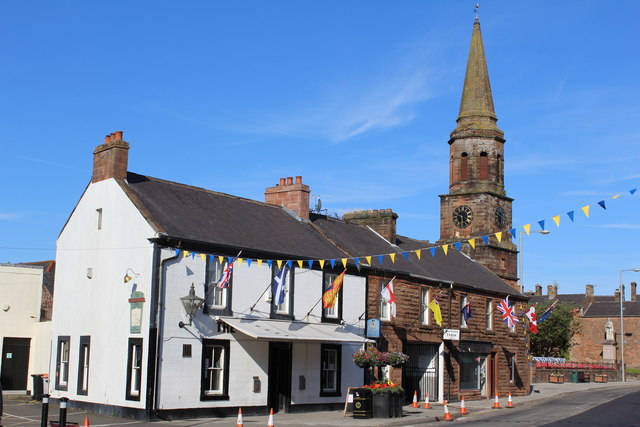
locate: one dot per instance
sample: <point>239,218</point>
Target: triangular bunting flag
<point>616,196</point>
<point>178,252</point>
<point>393,257</point>
<point>220,259</point>
<point>513,233</point>
<point>472,242</point>
<point>380,257</point>
<point>185,253</point>
<point>556,219</point>
<point>633,191</point>
<point>585,209</point>
<point>570,215</point>
<point>541,223</point>
<point>344,262</point>
<point>249,261</point>
<point>419,253</point>
<point>279,262</point>
<point>332,262</point>
<point>239,261</point>
<point>527,229</point>
<point>458,245</point>
<point>289,264</point>
<point>405,255</point>
<point>357,261</point>
<point>310,263</point>
<point>193,255</point>
<point>229,260</point>
<point>368,258</point>
<point>433,251</point>
<point>203,257</point>
<point>445,248</point>
<point>499,236</point>
<point>486,240</point>
<point>269,263</point>
<point>259,261</point>
<point>601,203</point>
<point>322,261</point>
<point>300,263</point>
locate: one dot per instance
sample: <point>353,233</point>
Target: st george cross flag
<point>533,323</point>
<point>331,294</point>
<point>389,297</point>
<point>225,279</point>
<point>508,314</point>
<point>435,308</point>
<point>466,312</point>
<point>547,313</point>
<point>278,285</point>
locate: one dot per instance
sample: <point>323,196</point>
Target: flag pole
<point>232,261</point>
<point>263,292</point>
<point>321,298</point>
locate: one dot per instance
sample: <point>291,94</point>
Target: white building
<point>25,329</point>
<point>127,347</point>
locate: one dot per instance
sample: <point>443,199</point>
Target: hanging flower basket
<point>397,359</point>
<point>366,358</point>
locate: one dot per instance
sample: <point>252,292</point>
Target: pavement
<point>19,410</point>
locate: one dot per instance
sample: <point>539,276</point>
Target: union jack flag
<point>225,279</point>
<point>508,314</point>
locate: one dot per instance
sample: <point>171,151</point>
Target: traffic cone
<point>510,402</point>
<point>426,402</point>
<point>86,422</point>
<point>496,403</point>
<point>239,423</point>
<point>414,404</point>
<point>270,422</point>
<point>447,415</point>
<point>463,409</point>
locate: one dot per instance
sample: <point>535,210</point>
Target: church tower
<point>477,204</point>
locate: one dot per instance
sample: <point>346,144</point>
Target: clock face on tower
<point>462,216</point>
<point>500,218</point>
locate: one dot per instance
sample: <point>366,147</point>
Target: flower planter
<point>557,379</point>
<point>601,378</point>
<point>387,405</point>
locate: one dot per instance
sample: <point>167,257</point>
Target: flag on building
<point>547,313</point>
<point>533,322</point>
<point>466,312</point>
<point>435,308</point>
<point>331,294</point>
<point>389,297</point>
<point>225,279</point>
<point>279,284</point>
<point>508,314</point>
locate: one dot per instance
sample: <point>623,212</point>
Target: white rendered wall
<point>98,306</point>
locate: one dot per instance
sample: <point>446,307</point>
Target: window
<point>215,370</point>
<point>472,371</point>
<point>62,364</point>
<point>489,315</point>
<point>333,314</point>
<point>134,369</point>
<point>330,370</point>
<point>217,300</point>
<point>512,368</point>
<point>464,167</point>
<point>284,310</point>
<point>463,303</point>
<point>99,218</point>
<point>424,306</point>
<point>385,307</point>
<point>83,365</point>
<point>484,166</point>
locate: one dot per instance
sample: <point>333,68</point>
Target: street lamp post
<point>521,257</point>
<point>622,377</point>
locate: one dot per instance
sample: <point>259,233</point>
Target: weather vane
<point>475,10</point>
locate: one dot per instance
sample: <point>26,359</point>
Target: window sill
<point>131,397</point>
<point>206,397</point>
<point>331,320</point>
<point>281,316</point>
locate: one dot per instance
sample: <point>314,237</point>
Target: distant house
<point>26,292</point>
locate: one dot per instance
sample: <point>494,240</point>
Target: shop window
<point>472,371</point>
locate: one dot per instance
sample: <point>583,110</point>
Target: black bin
<point>38,388</point>
<point>362,403</point>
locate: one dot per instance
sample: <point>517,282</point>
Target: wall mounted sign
<point>451,334</point>
<point>373,328</point>
<point>136,301</point>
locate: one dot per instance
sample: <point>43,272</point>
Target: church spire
<point>476,106</point>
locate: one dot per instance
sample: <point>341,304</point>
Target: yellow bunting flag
<point>418,253</point>
<point>368,258</point>
<point>527,229</point>
<point>203,257</point>
<point>220,259</point>
<point>445,248</point>
<point>279,263</point>
<point>616,196</point>
<point>300,263</point>
<point>556,219</point>
<point>259,262</point>
<point>185,253</point>
<point>585,209</point>
<point>472,242</point>
<point>239,261</point>
<point>321,261</point>
<point>344,262</point>
<point>499,236</point>
<point>393,257</point>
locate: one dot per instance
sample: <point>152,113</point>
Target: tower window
<point>464,167</point>
<point>499,174</point>
<point>484,166</point>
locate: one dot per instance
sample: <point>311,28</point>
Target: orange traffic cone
<point>496,403</point>
<point>510,402</point>
<point>240,422</point>
<point>447,415</point>
<point>426,402</point>
<point>86,422</point>
<point>270,422</point>
<point>414,404</point>
<point>463,408</point>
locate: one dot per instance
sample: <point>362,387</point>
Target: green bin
<point>574,377</point>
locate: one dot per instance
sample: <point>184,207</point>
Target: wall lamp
<point>129,277</point>
<point>191,304</point>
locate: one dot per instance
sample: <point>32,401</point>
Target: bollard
<point>63,411</point>
<point>44,418</point>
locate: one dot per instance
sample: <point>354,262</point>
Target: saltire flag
<point>547,313</point>
<point>390,297</point>
<point>466,312</point>
<point>435,308</point>
<point>508,314</point>
<point>533,322</point>
<point>279,284</point>
<point>225,279</point>
<point>331,294</point>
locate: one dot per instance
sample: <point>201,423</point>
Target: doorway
<point>279,391</point>
<point>15,363</point>
<point>421,371</point>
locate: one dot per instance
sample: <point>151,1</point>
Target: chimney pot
<point>110,160</point>
<point>282,181</point>
<point>289,180</point>
<point>633,291</point>
<point>616,295</point>
<point>119,135</point>
<point>538,290</point>
<point>298,180</point>
<point>107,138</point>
<point>112,136</point>
<point>295,198</point>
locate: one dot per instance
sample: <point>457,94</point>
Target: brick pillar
<point>111,159</point>
<point>294,196</point>
<point>383,221</point>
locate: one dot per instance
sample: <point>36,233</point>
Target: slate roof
<point>221,220</point>
<point>574,300</point>
<point>612,309</point>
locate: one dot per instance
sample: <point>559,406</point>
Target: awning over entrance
<point>285,330</point>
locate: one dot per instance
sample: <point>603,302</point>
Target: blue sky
<point>357,97</point>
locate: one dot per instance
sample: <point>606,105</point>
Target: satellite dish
<point>318,205</point>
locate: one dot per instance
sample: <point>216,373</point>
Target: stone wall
<point>588,341</point>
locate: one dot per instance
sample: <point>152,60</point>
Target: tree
<point>555,335</point>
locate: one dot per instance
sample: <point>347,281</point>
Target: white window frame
<point>489,314</point>
<point>424,305</point>
<point>329,370</point>
<point>216,297</point>
<point>214,365</point>
<point>64,363</point>
<point>332,312</point>
<point>384,306</point>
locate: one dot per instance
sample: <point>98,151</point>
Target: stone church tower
<point>477,204</point>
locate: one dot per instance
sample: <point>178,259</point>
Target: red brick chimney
<point>291,196</point>
<point>633,291</point>
<point>538,290</point>
<point>589,290</point>
<point>383,221</point>
<point>110,160</point>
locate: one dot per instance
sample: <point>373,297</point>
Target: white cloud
<point>622,226</point>
<point>6,216</point>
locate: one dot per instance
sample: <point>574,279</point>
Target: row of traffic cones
<point>240,422</point>
<point>463,409</point>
